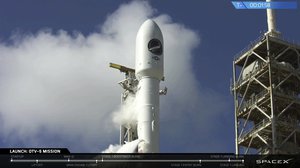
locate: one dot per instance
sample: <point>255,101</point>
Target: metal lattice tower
<point>266,88</point>
<point>267,97</point>
<point>128,131</point>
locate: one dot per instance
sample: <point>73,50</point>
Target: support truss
<point>266,89</point>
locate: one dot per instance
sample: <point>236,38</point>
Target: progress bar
<point>120,161</point>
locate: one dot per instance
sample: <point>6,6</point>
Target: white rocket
<point>149,71</point>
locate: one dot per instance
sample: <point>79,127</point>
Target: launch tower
<point>266,89</point>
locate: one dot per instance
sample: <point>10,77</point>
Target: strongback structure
<point>266,89</point>
<point>128,131</point>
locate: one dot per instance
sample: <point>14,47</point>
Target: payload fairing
<point>149,71</point>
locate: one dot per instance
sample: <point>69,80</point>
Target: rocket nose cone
<point>150,23</point>
<point>149,51</point>
<point>149,26</point>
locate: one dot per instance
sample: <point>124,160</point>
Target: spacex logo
<point>273,162</point>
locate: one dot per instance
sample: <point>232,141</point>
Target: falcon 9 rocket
<point>143,82</point>
<point>149,70</point>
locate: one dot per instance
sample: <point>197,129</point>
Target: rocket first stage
<point>143,82</point>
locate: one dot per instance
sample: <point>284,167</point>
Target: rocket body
<point>149,71</point>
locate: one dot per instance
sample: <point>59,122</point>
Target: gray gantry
<point>266,89</point>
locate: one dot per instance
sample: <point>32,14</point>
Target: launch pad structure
<point>128,131</point>
<point>266,90</point>
<point>267,97</point>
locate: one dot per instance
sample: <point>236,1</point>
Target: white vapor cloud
<point>112,149</point>
<point>56,89</point>
<point>126,114</point>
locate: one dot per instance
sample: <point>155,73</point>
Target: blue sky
<point>213,32</point>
